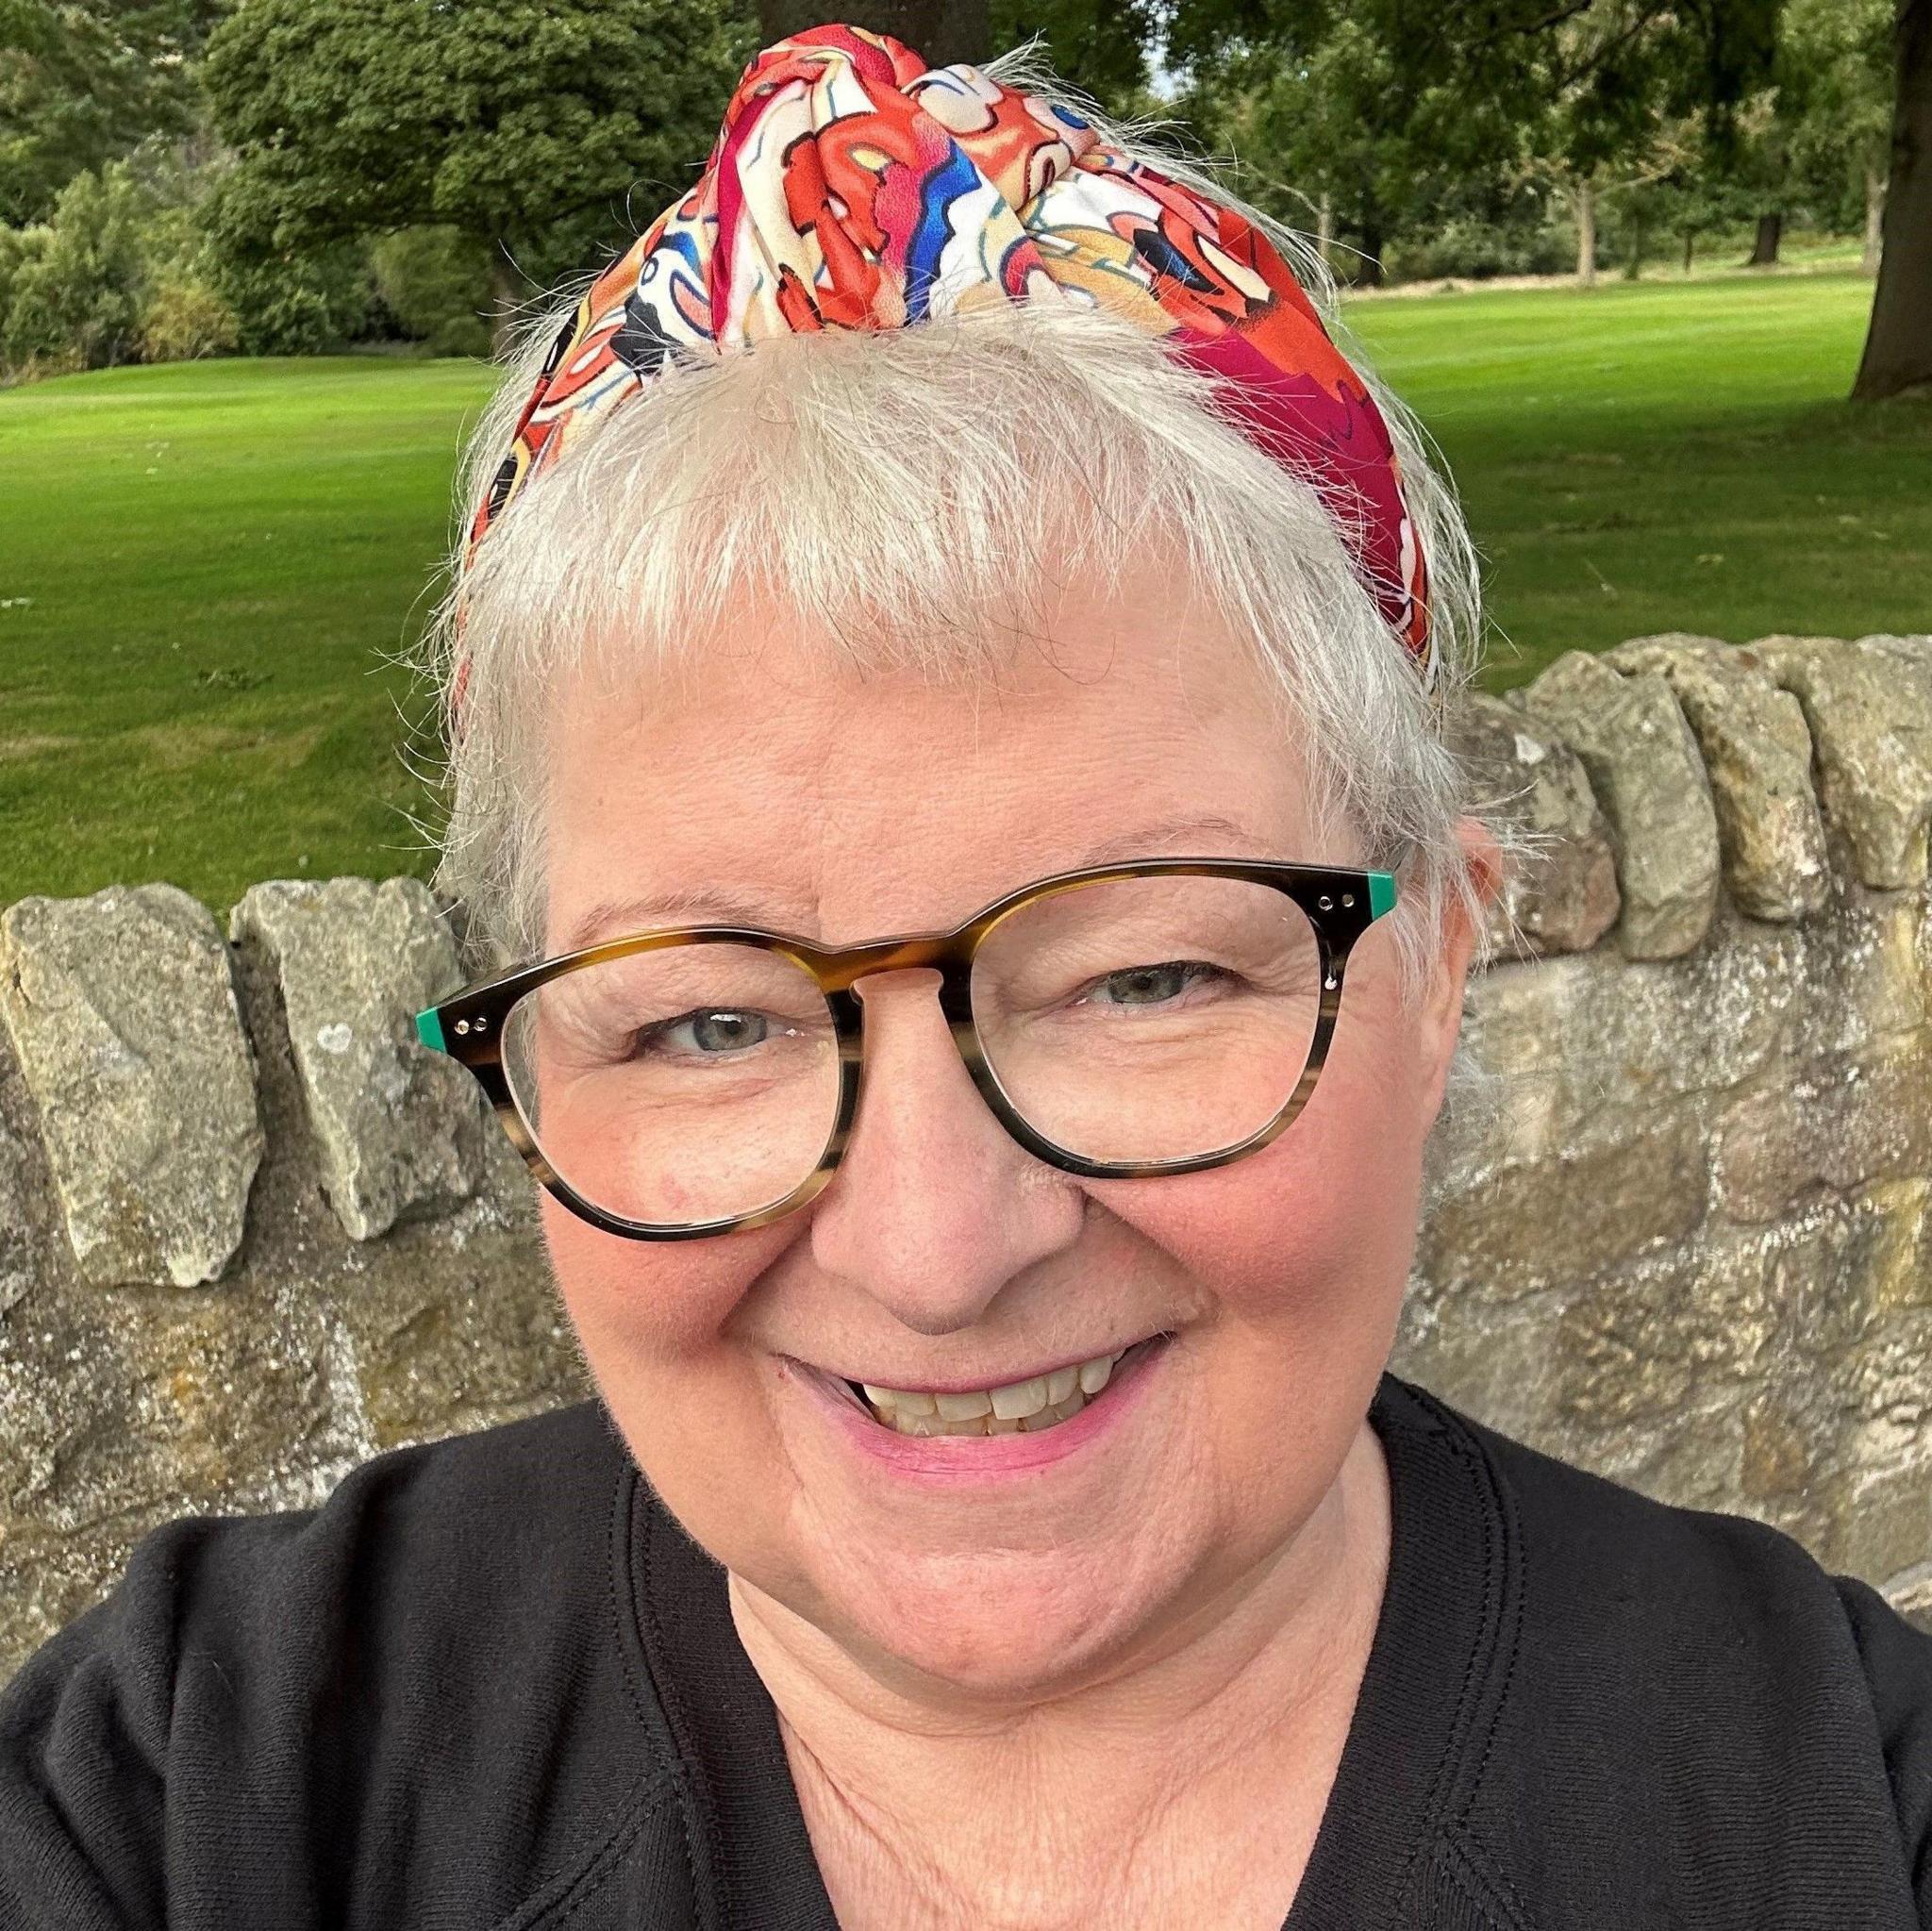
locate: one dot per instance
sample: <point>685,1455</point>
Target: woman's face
<point>941,1256</point>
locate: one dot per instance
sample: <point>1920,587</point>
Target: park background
<point>253,254</point>
<point>1658,280</point>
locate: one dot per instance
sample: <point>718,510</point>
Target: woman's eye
<point>713,1033</point>
<point>1156,985</point>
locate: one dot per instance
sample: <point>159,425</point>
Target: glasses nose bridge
<point>949,953</point>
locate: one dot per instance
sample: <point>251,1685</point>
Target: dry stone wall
<point>251,1233</point>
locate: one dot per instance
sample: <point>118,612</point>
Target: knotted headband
<point>853,187</point>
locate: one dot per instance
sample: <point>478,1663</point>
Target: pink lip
<point>971,1458</point>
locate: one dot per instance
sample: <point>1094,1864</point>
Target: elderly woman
<point>945,685</point>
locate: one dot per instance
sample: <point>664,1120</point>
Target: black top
<point>491,1686</point>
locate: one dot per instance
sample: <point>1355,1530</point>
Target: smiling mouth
<point>1018,1408</point>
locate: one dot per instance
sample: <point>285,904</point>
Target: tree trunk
<point>942,30</point>
<point>1583,201</point>
<point>1874,220</point>
<point>1898,349</point>
<point>1690,248</point>
<point>1770,230</point>
<point>1368,267</point>
<point>1325,226</point>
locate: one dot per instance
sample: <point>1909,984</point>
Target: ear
<point>1441,1011</point>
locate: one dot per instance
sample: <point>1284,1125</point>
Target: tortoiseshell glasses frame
<point>1340,904</point>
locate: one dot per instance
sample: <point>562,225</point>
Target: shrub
<point>185,318</point>
<point>76,301</point>
<point>19,248</point>
<point>295,303</point>
<point>1474,248</point>
<point>435,282</point>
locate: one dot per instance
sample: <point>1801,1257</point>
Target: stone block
<point>18,1258</point>
<point>1826,1128</point>
<point>1887,1524</point>
<point>1494,1360</point>
<point>1780,1450</point>
<point>400,1131</point>
<point>1660,1334</point>
<point>1638,1179</point>
<point>1649,780</point>
<point>1561,895</point>
<point>1910,1594</point>
<point>1902,1265</point>
<point>121,1011</point>
<point>1868,704</point>
<point>1757,757</point>
<point>1569,1041</point>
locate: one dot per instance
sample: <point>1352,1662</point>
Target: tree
<point>1624,110</point>
<point>1476,91</point>
<point>1101,46</point>
<point>1325,147</point>
<point>942,30</point>
<point>1898,348</point>
<point>112,276</point>
<point>523,125</point>
<point>84,82</point>
<point>1817,138</point>
<point>1839,99</point>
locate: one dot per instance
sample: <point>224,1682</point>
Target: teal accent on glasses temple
<point>1381,893</point>
<point>429,1030</point>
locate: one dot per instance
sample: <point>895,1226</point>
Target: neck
<point>1243,1708</point>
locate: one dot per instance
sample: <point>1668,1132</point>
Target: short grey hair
<point>889,487</point>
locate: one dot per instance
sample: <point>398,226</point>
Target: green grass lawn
<point>1669,457</point>
<point>216,556</point>
<point>204,565</point>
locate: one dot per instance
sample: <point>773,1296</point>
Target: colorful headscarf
<point>853,187</point>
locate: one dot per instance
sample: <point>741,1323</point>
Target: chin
<point>1000,1629</point>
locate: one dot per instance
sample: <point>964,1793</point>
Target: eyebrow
<point>709,905</point>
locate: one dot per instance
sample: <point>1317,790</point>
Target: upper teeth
<point>1015,1407</point>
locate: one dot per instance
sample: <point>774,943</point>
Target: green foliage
<point>1315,126</point>
<point>525,123</point>
<point>1472,247</point>
<point>295,300</point>
<point>130,267</point>
<point>77,303</point>
<point>19,249</point>
<point>185,318</point>
<point>1101,48</point>
<point>84,82</point>
<point>435,282</point>
<point>1396,114</point>
<point>1835,96</point>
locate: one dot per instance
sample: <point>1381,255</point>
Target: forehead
<point>770,777</point>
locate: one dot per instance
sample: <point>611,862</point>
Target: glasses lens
<point>1155,1018</point>
<point>683,1084</point>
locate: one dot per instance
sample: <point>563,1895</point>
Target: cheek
<point>654,1321</point>
<point>1314,1236</point>
<point>642,1304</point>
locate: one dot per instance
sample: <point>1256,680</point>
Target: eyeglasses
<point>1158,1016</point>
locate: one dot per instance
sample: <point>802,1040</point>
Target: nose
<point>934,1207</point>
